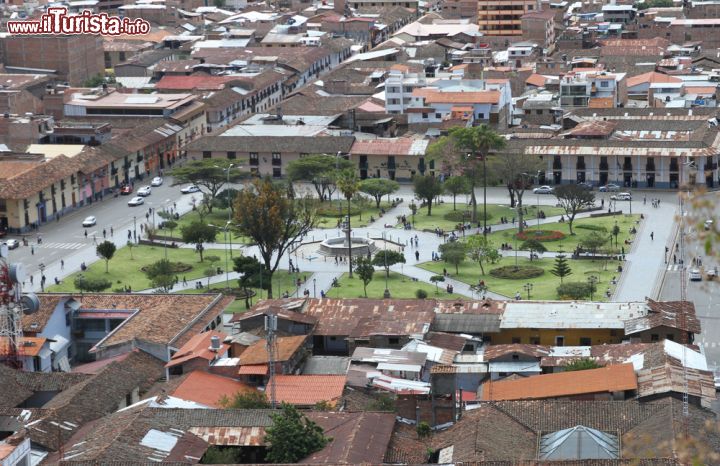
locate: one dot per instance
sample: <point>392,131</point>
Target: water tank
<point>215,343</point>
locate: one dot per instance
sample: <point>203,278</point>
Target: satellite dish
<point>17,273</point>
<point>30,303</point>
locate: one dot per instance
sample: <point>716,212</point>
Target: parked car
<point>609,188</point>
<point>144,191</point>
<point>709,224</point>
<point>695,275</point>
<point>190,189</point>
<point>136,201</point>
<point>157,181</point>
<point>543,190</point>
<point>126,189</point>
<point>586,186</point>
<point>12,244</point>
<point>89,221</point>
<point>621,197</point>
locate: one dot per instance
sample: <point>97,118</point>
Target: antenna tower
<point>270,329</point>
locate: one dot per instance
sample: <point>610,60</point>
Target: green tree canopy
<point>320,170</point>
<point>252,275</point>
<point>594,241</point>
<point>292,436</point>
<point>250,399</point>
<point>378,187</point>
<point>349,185</point>
<point>91,285</point>
<point>573,198</point>
<point>211,174</point>
<point>427,188</point>
<point>387,259</point>
<point>265,214</point>
<point>457,185</point>
<point>561,269</point>
<point>106,250</point>
<point>365,270</point>
<point>533,245</point>
<point>481,250</point>
<point>198,233</point>
<point>517,171</point>
<point>161,274</point>
<point>575,290</point>
<point>453,253</point>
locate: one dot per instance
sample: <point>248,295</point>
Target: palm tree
<point>486,140</point>
<point>349,185</point>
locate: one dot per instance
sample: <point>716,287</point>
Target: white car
<point>157,181</point>
<point>136,201</point>
<point>695,275</point>
<point>144,191</point>
<point>89,221</point>
<point>12,244</point>
<point>543,190</point>
<point>190,189</point>
<point>621,197</point>
<point>709,224</point>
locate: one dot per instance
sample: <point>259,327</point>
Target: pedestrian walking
<point>417,255</point>
<point>32,250</point>
<point>62,264</point>
<point>85,234</point>
<point>112,232</point>
<point>31,280</point>
<point>644,200</point>
<point>602,203</point>
<point>652,236</point>
<point>95,238</point>
<point>674,259</point>
<point>129,234</point>
<point>184,281</point>
<point>104,234</point>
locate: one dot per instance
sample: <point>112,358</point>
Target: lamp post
<point>227,272</point>
<point>592,280</point>
<point>337,168</point>
<point>386,294</point>
<point>135,228</point>
<point>314,295</point>
<point>229,220</point>
<point>528,287</point>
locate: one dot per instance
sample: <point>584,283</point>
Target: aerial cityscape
<point>338,232</point>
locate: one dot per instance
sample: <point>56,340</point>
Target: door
<point>651,180</point>
<point>603,178</point>
<point>559,341</point>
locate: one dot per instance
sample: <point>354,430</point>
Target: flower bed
<point>177,267</point>
<point>520,272</point>
<point>540,235</point>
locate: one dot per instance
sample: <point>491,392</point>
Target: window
<point>231,155</point>
<point>425,116</point>
<point>670,337</point>
<point>585,341</point>
<point>254,160</point>
<point>276,158</point>
<point>438,115</point>
<point>559,341</point>
<point>481,116</point>
<point>207,154</point>
<point>277,172</point>
<point>604,84</point>
<point>515,340</point>
<point>534,340</point>
<point>128,399</point>
<point>394,340</point>
<point>515,357</point>
<point>654,337</point>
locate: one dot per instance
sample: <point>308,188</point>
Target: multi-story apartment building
<point>453,9</point>
<point>503,17</point>
<point>596,89</point>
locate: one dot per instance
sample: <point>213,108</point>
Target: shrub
<point>575,290</point>
<point>585,226</point>
<point>457,216</point>
<point>175,267</point>
<point>423,429</point>
<point>331,210</point>
<point>421,294</point>
<point>520,272</point>
<point>540,235</point>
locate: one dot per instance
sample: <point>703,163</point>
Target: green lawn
<point>443,215</point>
<point>218,217</point>
<point>124,271</point>
<point>282,281</point>
<point>569,243</point>
<point>400,286</point>
<point>544,286</point>
<point>329,212</point>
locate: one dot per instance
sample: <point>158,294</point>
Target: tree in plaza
<point>131,246</point>
<point>427,188</point>
<point>466,150</point>
<point>365,270</point>
<point>348,184</point>
<point>561,269</point>
<point>378,187</point>
<point>576,290</point>
<point>91,285</point>
<point>456,185</point>
<point>320,170</point>
<point>252,275</point>
<point>225,199</point>
<point>453,253</point>
<point>517,170</point>
<point>106,250</point>
<point>615,233</point>
<point>594,241</point>
<point>573,198</point>
<point>211,174</point>
<point>292,436</point>
<point>437,279</point>
<point>387,259</point>
<point>533,245</point>
<point>198,233</point>
<point>273,222</point>
<point>161,274</point>
<point>481,250</point>
<point>170,225</point>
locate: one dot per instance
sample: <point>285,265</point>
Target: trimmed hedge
<point>332,211</point>
<point>540,235</point>
<point>520,272</point>
<point>592,227</point>
<point>457,215</point>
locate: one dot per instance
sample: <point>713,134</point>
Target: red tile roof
<point>650,78</point>
<point>286,347</point>
<point>189,83</point>
<point>29,346</point>
<point>199,347</point>
<point>535,79</point>
<point>307,390</point>
<point>606,379</point>
<point>253,369</point>
<point>207,389</point>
